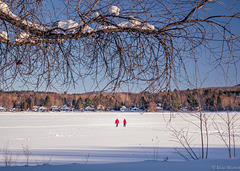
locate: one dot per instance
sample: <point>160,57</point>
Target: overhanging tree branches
<point>115,43</point>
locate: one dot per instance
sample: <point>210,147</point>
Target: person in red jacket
<point>124,122</point>
<point>116,122</point>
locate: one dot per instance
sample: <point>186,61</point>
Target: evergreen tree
<point>42,102</point>
<point>65,101</point>
<point>47,101</point>
<point>79,104</point>
<point>24,106</point>
<point>192,101</point>
<point>88,102</point>
<point>117,105</point>
<point>73,102</point>
<point>209,102</point>
<point>142,103</point>
<point>176,105</point>
<point>29,103</point>
<point>166,102</point>
<point>219,104</point>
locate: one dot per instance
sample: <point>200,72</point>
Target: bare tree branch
<point>147,42</point>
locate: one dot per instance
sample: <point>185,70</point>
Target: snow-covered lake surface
<point>92,138</point>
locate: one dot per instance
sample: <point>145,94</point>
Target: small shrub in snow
<point>8,157</point>
<point>155,142</point>
<point>26,153</point>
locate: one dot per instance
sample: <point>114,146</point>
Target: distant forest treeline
<point>210,99</point>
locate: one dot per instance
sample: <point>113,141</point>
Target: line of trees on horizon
<point>211,99</point>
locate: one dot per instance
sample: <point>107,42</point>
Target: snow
<point>134,23</point>
<point>147,26</point>
<point>106,27</point>
<point>204,165</point>
<point>4,35</point>
<point>68,24</point>
<point>114,10</point>
<point>91,140</point>
<point>23,36</point>
<point>126,24</point>
<point>4,8</point>
<point>87,29</point>
<point>96,14</point>
<point>36,26</point>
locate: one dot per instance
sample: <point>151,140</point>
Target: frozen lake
<point>91,137</point>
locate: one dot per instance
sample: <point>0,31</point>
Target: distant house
<point>42,109</point>
<point>88,108</point>
<point>123,109</point>
<point>159,109</point>
<point>13,110</point>
<point>109,110</point>
<point>197,108</point>
<point>36,108</point>
<point>185,109</point>
<point>65,108</point>
<point>2,109</point>
<point>100,108</point>
<point>135,109</point>
<point>55,109</point>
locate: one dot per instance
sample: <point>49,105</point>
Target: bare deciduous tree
<point>46,42</point>
<point>227,129</point>
<point>182,137</point>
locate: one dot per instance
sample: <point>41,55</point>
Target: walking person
<point>117,122</point>
<point>124,122</point>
